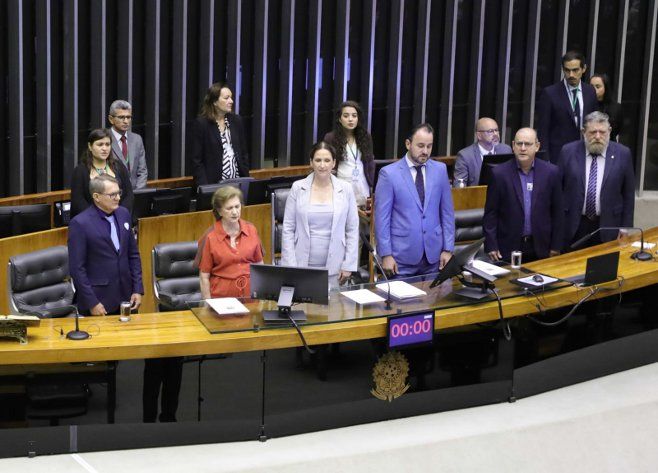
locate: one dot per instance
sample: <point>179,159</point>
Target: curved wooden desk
<point>180,333</point>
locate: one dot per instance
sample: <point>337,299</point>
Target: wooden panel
<point>189,227</point>
<point>469,197</point>
<point>24,244</point>
<point>180,333</point>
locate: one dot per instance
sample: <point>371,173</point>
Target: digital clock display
<point>411,330</point>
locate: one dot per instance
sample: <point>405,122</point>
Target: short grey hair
<point>596,117</point>
<point>119,105</point>
<point>97,184</point>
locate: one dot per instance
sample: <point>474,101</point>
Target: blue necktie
<point>420,184</point>
<point>113,231</point>
<point>590,199</point>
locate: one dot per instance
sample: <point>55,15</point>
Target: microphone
<point>77,334</point>
<point>375,258</point>
<point>640,255</point>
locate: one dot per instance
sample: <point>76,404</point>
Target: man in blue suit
<point>524,210</point>
<point>598,182</point>
<point>469,159</point>
<point>414,215</point>
<point>103,257</point>
<point>562,106</point>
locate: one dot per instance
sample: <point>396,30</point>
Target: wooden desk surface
<point>180,333</point>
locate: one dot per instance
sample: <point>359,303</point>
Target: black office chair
<point>279,198</point>
<point>469,228</point>
<point>38,283</point>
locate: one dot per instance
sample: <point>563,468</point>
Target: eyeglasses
<point>524,144</point>
<point>489,132</point>
<point>113,195</point>
<point>123,117</point>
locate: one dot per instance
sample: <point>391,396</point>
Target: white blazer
<point>295,241</point>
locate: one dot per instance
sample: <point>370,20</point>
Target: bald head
<point>525,147</point>
<point>486,133</point>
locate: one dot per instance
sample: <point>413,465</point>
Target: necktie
<point>420,184</point>
<point>124,150</point>
<point>576,107</point>
<point>113,232</point>
<point>590,199</point>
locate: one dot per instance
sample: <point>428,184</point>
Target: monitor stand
<point>284,314</point>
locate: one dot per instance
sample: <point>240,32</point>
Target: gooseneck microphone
<point>77,334</point>
<point>375,258</point>
<point>640,255</point>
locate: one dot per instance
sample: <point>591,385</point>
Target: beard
<point>596,147</point>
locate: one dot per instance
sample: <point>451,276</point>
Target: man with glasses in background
<point>524,211</point>
<point>104,261</point>
<point>469,159</point>
<point>128,147</point>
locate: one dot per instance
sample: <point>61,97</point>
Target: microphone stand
<point>640,255</point>
<point>77,334</point>
<point>375,258</point>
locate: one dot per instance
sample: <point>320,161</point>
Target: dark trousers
<point>528,250</point>
<point>585,227</point>
<point>165,372</point>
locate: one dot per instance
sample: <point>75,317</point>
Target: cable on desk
<point>507,331</point>
<point>301,335</point>
<point>569,314</point>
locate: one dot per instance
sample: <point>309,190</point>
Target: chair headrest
<point>173,260</point>
<point>279,198</point>
<point>39,268</point>
<point>469,217</point>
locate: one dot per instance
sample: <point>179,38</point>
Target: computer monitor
<point>260,190</point>
<point>21,219</point>
<point>154,202</point>
<point>490,161</point>
<point>455,265</point>
<point>288,284</point>
<point>141,202</point>
<point>205,192</point>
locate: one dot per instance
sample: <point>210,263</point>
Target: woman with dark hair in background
<point>321,224</point>
<point>353,144</point>
<point>97,160</point>
<point>607,105</point>
<point>219,147</point>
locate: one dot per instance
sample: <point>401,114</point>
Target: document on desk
<point>227,306</point>
<point>401,290</point>
<point>363,296</point>
<point>490,269</point>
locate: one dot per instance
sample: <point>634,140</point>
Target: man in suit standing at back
<point>598,182</point>
<point>128,147</point>
<point>562,106</point>
<point>103,257</point>
<point>414,215</point>
<point>524,211</point>
<point>469,159</point>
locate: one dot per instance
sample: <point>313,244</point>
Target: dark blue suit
<point>554,119</point>
<point>617,189</point>
<point>99,272</point>
<point>503,210</point>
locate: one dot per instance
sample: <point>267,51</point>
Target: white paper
<point>363,296</point>
<point>546,280</point>
<point>489,268</point>
<point>401,290</point>
<point>647,245</point>
<point>227,305</point>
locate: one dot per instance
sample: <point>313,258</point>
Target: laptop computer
<point>599,269</point>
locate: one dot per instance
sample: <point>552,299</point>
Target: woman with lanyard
<point>219,147</point>
<point>97,160</point>
<point>353,143</point>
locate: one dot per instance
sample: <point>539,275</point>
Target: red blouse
<point>229,267</point>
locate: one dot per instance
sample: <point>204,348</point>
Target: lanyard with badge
<point>355,171</point>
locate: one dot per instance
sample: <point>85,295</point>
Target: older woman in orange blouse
<point>229,248</point>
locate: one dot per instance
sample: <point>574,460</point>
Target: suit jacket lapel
<point>100,226</point>
<point>566,104</point>
<point>609,163</point>
<point>338,204</point>
<point>116,148</point>
<point>305,200</point>
<point>516,180</point>
<point>406,177</point>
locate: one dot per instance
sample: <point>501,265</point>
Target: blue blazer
<point>554,117</point>
<point>617,189</point>
<point>403,227</point>
<point>503,210</point>
<point>99,272</point>
<point>469,163</point>
<point>296,238</point>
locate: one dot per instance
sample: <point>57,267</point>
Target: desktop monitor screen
<point>142,202</point>
<point>458,260</point>
<point>21,219</point>
<point>205,192</point>
<point>311,284</point>
<point>171,201</point>
<point>260,190</point>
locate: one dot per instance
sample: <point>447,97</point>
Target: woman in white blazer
<point>321,222</point>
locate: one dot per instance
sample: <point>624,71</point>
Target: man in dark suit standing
<point>469,159</point>
<point>103,257</point>
<point>128,147</point>
<point>524,210</point>
<point>562,106</point>
<point>598,182</point>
